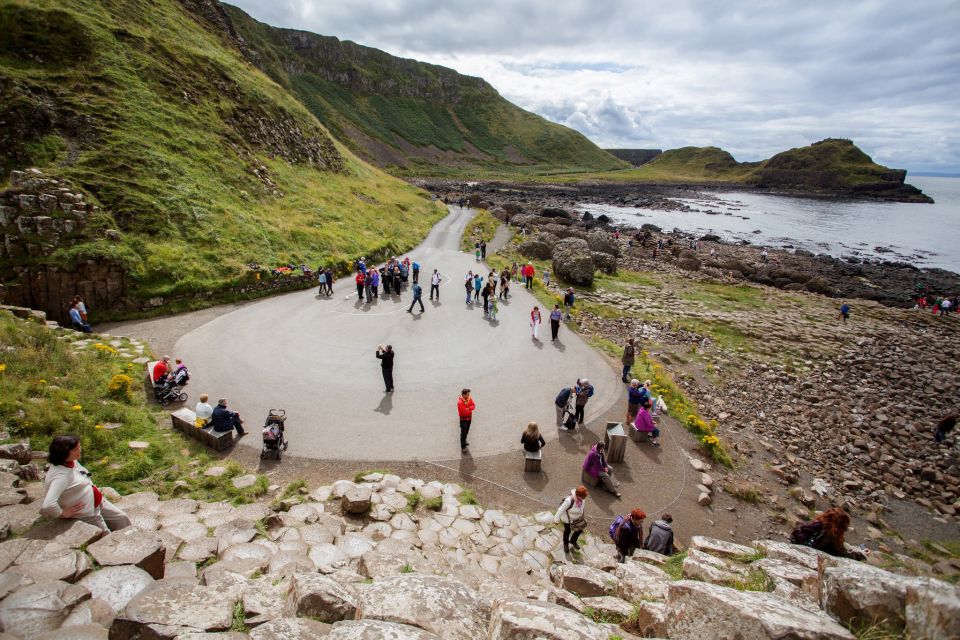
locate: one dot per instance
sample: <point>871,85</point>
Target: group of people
<point>938,305</point>
<point>476,287</point>
<point>394,274</point>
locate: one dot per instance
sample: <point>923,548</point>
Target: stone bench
<point>531,461</point>
<point>588,479</point>
<point>185,419</point>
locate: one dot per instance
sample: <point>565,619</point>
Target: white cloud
<point>753,77</point>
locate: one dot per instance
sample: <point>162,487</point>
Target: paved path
<point>314,357</point>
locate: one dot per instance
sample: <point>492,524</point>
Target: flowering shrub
<point>121,388</point>
<point>104,350</point>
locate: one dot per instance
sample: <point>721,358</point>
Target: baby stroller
<point>273,441</point>
<point>171,389</point>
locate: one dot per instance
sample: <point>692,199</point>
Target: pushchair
<point>171,389</point>
<point>274,442</point>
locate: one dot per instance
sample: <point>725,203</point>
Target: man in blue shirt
<point>78,322</point>
<point>417,297</point>
<point>416,272</point>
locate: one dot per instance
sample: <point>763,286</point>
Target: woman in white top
<point>204,411</point>
<point>535,323</point>
<point>570,514</point>
<point>71,493</point>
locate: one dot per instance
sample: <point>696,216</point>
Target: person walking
<point>844,311</point>
<point>571,514</point>
<point>485,294</point>
<point>322,279</point>
<point>660,536</point>
<point>568,300</point>
<point>505,284</point>
<point>628,534</point>
<point>562,403</point>
<point>465,408</point>
<point>595,465</point>
<point>627,359</point>
<point>535,321</point>
<point>483,249</point>
<point>70,493</point>
<point>531,438</point>
<point>359,280</point>
<point>644,423</point>
<point>329,273</point>
<point>417,291</point>
<point>555,317</point>
<point>385,354</point>
<point>584,393</point>
<point>416,272</point>
<point>435,281</point>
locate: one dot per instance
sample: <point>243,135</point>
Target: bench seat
<point>185,419</point>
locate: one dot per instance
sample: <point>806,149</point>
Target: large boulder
<point>117,586</point>
<point>641,581</point>
<point>440,605</point>
<point>561,231</point>
<point>933,610</point>
<point>603,242</point>
<point>169,609</point>
<point>317,596</point>
<point>535,249</point>
<point>73,533</point>
<point>377,630</point>
<point>604,261</point>
<point>289,629</point>
<point>30,611</point>
<point>356,500</point>
<point>535,620</point>
<point>703,566</point>
<point>572,261</point>
<point>720,548</point>
<point>697,610</point>
<point>555,212</point>
<point>583,580</point>
<point>43,560</point>
<point>133,546</point>
<point>19,451</point>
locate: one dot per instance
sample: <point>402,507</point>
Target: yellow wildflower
<point>3,368</point>
<point>77,407</point>
<point>98,426</point>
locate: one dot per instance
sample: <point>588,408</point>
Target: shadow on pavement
<point>386,404</point>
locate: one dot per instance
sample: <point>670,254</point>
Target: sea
<point>926,235</point>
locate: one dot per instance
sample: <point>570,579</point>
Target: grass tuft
<point>674,565</point>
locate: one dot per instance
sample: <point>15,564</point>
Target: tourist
<point>571,515</point>
<point>531,439</point>
<point>161,369</point>
<point>483,249</point>
<point>826,533</point>
<point>584,393</point>
<point>70,493</point>
<point>375,282</point>
<point>595,465</point>
<point>635,397</point>
<point>477,286</point>
<point>764,255</point>
<point>494,308</point>
<point>416,272</point>
<point>568,300</point>
<point>945,307</point>
<point>362,265</point>
<point>385,355</point>
<point>465,408</point>
<point>203,411</point>
<point>627,359</point>
<point>81,307</point>
<point>435,281</point>
<point>359,280</point>
<point>628,534</point>
<point>844,311</point>
<point>476,250</point>
<point>535,321</point>
<point>76,319</point>
<point>546,278</point>
<point>515,272</point>
<point>562,402</point>
<point>468,285</point>
<point>322,279</point>
<point>644,423</point>
<point>505,284</point>
<point>528,272</point>
<point>944,427</point>
<point>485,294</point>
<point>329,273</point>
<point>417,291</point>
<point>368,285</point>
<point>224,420</point>
<point>492,280</point>
<point>555,317</point>
<point>660,536</point>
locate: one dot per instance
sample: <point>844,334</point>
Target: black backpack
<point>807,533</point>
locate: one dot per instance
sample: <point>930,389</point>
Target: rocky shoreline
<point>891,283</point>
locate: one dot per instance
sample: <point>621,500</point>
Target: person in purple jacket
<point>595,465</point>
<point>644,422</point>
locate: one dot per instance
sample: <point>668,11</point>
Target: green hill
<point>411,117</point>
<point>196,161</point>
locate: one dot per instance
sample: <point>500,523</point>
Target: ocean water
<point>927,235</point>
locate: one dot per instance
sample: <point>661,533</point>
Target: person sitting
<point>531,439</point>
<point>76,319</point>
<point>628,537</point>
<point>826,533</point>
<point>660,536</point>
<point>204,411</point>
<point>71,494</point>
<point>595,466</point>
<point>160,370</point>
<point>644,423</point>
<point>224,420</point>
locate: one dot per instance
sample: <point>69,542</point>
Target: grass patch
<point>413,499</point>
<point>674,565</point>
<point>467,496</point>
<point>723,334</point>
<point>749,558</point>
<point>603,617</point>
<point>744,492</point>
<point>293,489</point>
<point>952,547</point>
<point>239,621</point>
<point>724,297</point>
<point>879,630</point>
<point>433,504</point>
<point>626,281</point>
<point>358,476</point>
<point>483,226</point>
<point>755,580</point>
<point>406,569</point>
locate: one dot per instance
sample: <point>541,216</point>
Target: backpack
<point>615,527</point>
<point>807,533</point>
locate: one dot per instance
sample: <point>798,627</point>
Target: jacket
<point>584,394</point>
<point>222,418</point>
<point>569,510</point>
<point>634,396</point>
<point>204,411</point>
<point>386,359</point>
<point>417,290</point>
<point>629,355</point>
<point>563,398</point>
<point>532,444</point>
<point>643,421</point>
<point>594,463</point>
<point>660,538</point>
<point>435,278</point>
<point>159,370</point>
<point>65,487</point>
<point>629,537</point>
<point>465,407</point>
<point>568,299</point>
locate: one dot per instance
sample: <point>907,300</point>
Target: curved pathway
<point>314,356</point>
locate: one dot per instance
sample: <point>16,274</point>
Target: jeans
<point>560,412</point>
<point>567,538</point>
<point>579,412</point>
<point>434,288</point>
<point>464,430</point>
<point>529,282</point>
<point>416,275</point>
<point>415,301</point>
<point>387,378</point>
<point>234,424</point>
<point>554,329</point>
<point>626,372</point>
<point>360,292</point>
<point>469,295</point>
<point>567,308</point>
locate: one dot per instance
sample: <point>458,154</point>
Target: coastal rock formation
<point>572,261</point>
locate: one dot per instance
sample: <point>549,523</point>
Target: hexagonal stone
<point>720,548</point>
<point>198,550</point>
<point>583,580</point>
<point>366,629</point>
<point>43,560</point>
<point>317,596</point>
<point>356,499</point>
<point>542,620</point>
<point>131,546</point>
<point>327,557</point>
<point>76,632</point>
<point>187,531</point>
<point>92,611</point>
<point>354,545</point>
<point>117,585</point>
<point>69,532</point>
<point>256,554</point>
<point>234,532</point>
<point>32,610</point>
<point>165,611</point>
<point>290,629</point>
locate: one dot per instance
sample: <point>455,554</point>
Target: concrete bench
<point>149,374</point>
<point>531,461</point>
<point>185,419</point>
<point>588,479</point>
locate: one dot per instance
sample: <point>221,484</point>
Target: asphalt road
<point>314,357</point>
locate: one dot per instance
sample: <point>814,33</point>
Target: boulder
<point>92,611</point>
<point>169,609</point>
<point>290,629</point>
<point>554,212</point>
<point>697,610</point>
<point>792,553</point>
<point>703,566</point>
<point>535,249</point>
<point>804,578</point>
<point>356,500</point>
<point>131,546</point>
<point>583,580</point>
<point>535,620</point>
<point>440,605</point>
<point>38,608</point>
<point>76,632</point>
<point>251,553</point>
<point>377,630</point>
<point>72,533</point>
<point>43,560</point>
<point>117,585</point>
<point>649,619</point>
<point>610,608</point>
<point>572,261</point>
<point>933,610</point>
<point>20,452</point>
<point>604,243</point>
<point>604,261</point>
<point>234,532</point>
<point>721,548</point>
<point>327,557</point>
<point>320,597</point>
<point>689,264</point>
<point>860,594</point>
<point>639,581</point>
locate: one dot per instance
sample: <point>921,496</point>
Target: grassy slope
<point>409,105</point>
<point>146,104</point>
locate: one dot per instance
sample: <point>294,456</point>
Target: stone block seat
<point>185,419</point>
<point>531,461</point>
<point>588,479</point>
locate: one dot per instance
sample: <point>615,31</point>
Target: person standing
<point>595,465</point>
<point>485,294</point>
<point>477,285</point>
<point>494,309</point>
<point>435,280</point>
<point>555,317</point>
<point>584,393</point>
<point>628,536</point>
<point>359,280</point>
<point>329,273</point>
<point>562,402</point>
<point>396,283</point>
<point>505,284</point>
<point>416,272</point>
<point>417,291</point>
<point>483,249</point>
<point>628,358</point>
<point>571,515</point>
<point>465,408</point>
<point>568,300</point>
<point>660,536</point>
<point>375,282</point>
<point>385,355</point>
<point>535,321</point>
<point>528,275</point>
<point>476,250</point>
<point>322,278</point>
<point>368,285</point>
<point>468,285</point>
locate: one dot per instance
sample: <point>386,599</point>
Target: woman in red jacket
<point>465,407</point>
<point>359,280</point>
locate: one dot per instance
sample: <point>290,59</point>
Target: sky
<point>752,77</point>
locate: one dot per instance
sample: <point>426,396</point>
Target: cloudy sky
<point>752,77</point>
